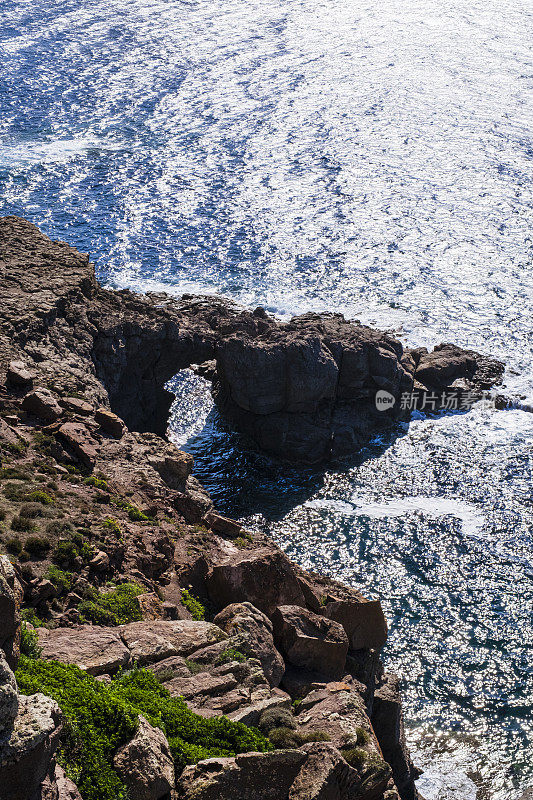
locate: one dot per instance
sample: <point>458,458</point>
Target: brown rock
<point>56,786</point>
<point>341,714</point>
<point>110,423</point>
<point>79,440</point>
<point>9,703</point>
<point>95,650</point>
<point>223,525</point>
<point>77,406</point>
<point>145,764</point>
<point>100,561</point>
<point>251,776</point>
<point>149,642</point>
<point>325,775</point>
<point>310,641</point>
<point>255,631</point>
<point>363,621</point>
<point>150,606</point>
<point>19,376</point>
<point>200,684</point>
<point>42,404</point>
<point>263,577</point>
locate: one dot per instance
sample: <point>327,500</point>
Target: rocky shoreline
<point>117,560</point>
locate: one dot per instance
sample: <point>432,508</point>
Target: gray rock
<point>92,648</point>
<point>255,631</point>
<point>145,764</point>
<point>8,696</point>
<point>42,404</point>
<point>254,776</point>
<point>152,641</point>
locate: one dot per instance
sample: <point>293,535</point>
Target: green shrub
<point>2,513</point>
<point>38,496</point>
<point>37,546</point>
<point>100,717</point>
<point>229,654</point>
<point>31,510</point>
<point>363,737</point>
<point>284,738</point>
<point>14,473</point>
<point>116,607</point>
<point>193,605</point>
<point>58,528</point>
<point>62,580</point>
<point>14,546</point>
<point>112,526</point>
<point>136,515</point>
<point>65,553</point>
<point>15,492</point>
<point>30,615</point>
<point>22,524</point>
<point>194,667</point>
<point>44,443</point>
<point>99,483</point>
<point>276,718</point>
<point>29,642</point>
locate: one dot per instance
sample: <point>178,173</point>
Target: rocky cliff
<point>118,561</point>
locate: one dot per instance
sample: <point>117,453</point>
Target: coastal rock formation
<point>305,390</point>
<point>117,555</point>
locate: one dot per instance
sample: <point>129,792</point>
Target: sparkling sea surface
<point>373,159</point>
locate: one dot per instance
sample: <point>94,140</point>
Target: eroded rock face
<point>254,776</point>
<point>263,577</point>
<point>152,641</point>
<point>304,390</point>
<point>325,776</point>
<point>256,633</point>
<point>145,764</point>
<point>9,703</point>
<point>310,641</point>
<point>94,649</point>
<point>26,752</point>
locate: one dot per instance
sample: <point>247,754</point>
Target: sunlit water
<point>368,158</point>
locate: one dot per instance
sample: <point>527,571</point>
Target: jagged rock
<point>263,577</point>
<point>387,722</point>
<point>310,641</point>
<point>363,620</point>
<point>251,714</point>
<point>19,376</point>
<point>223,525</point>
<point>109,422</point>
<point>100,561</point>
<point>42,404</point>
<point>94,649</point>
<point>150,606</point>
<point>8,697</point>
<point>145,764</point>
<point>325,775</point>
<point>26,751</point>
<point>173,465</point>
<point>56,786</point>
<point>78,438</point>
<point>152,641</point>
<point>200,684</point>
<point>339,710</point>
<point>256,631</point>
<point>77,406</point>
<point>10,598</point>
<point>254,776</point>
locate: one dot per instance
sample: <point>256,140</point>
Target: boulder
<point>223,525</point>
<point>56,786</point>
<point>19,376</point>
<point>255,631</point>
<point>100,561</point>
<point>310,641</point>
<point>9,703</point>
<point>251,714</point>
<point>264,577</point>
<point>145,764</point>
<point>340,711</point>
<point>94,649</point>
<point>25,756</point>
<point>151,641</point>
<point>42,404</point>
<point>79,440</point>
<point>11,595</point>
<point>254,776</point>
<point>363,620</point>
<point>325,775</point>
<point>77,406</point>
<point>110,423</point>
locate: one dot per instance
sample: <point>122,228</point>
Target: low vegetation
<point>102,716</point>
<point>193,605</point>
<point>114,607</point>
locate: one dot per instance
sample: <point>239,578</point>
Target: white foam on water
<point>472,520</point>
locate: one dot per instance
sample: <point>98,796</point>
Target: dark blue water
<point>371,159</point>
